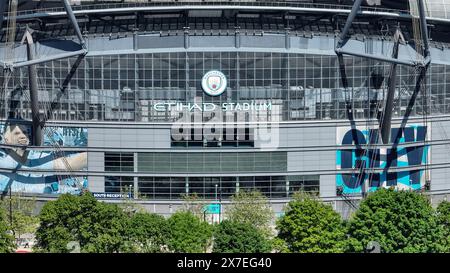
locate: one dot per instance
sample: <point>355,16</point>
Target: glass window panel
<point>178,187</point>
<point>162,188</point>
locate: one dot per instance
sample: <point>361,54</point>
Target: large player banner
<point>35,171</point>
<point>358,157</point>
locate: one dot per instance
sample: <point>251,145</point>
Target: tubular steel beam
<point>3,5</point>
<point>423,28</point>
<point>50,58</point>
<point>348,23</point>
<point>420,77</point>
<point>340,51</point>
<point>33,87</point>
<point>385,122</point>
<point>73,20</point>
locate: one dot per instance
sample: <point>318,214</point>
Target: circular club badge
<point>214,83</point>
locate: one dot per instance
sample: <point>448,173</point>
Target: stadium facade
<point>157,99</point>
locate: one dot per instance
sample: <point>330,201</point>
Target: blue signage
<point>112,195</point>
<point>368,156</point>
<point>212,208</point>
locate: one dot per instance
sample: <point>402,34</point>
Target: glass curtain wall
<point>298,86</point>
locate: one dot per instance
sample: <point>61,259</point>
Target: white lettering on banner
<point>110,195</point>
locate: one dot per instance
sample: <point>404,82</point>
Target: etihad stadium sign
<point>214,83</point>
<point>211,107</point>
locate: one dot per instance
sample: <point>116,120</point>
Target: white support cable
<point>425,121</point>
<point>420,48</point>
<point>11,26</point>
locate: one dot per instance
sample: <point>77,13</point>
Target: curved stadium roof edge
<point>96,9</point>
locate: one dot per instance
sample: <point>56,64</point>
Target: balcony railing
<point>207,3</point>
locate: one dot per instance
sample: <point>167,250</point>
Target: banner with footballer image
<point>43,171</point>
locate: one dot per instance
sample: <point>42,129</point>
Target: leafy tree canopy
<point>236,237</point>
<point>443,215</point>
<point>148,232</point>
<point>6,240</point>
<point>309,226</point>
<point>251,208</point>
<point>23,219</point>
<point>192,203</point>
<point>188,234</point>
<point>97,227</point>
<point>400,221</point>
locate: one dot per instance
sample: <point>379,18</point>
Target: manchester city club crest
<point>214,83</point>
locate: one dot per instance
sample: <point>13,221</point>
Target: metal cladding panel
<point>307,136</point>
<point>439,131</point>
<point>439,154</point>
<point>315,45</point>
<point>439,179</point>
<point>265,41</point>
<point>110,43</point>
<point>440,56</point>
<point>211,41</point>
<point>327,185</point>
<point>129,138</point>
<point>311,161</point>
<point>406,52</point>
<point>96,161</point>
<point>96,184</point>
<point>160,42</point>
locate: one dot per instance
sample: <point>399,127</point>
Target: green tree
<point>251,208</point>
<point>310,226</point>
<point>148,232</point>
<point>235,237</point>
<point>443,214</point>
<point>192,203</point>
<point>278,245</point>
<point>23,219</point>
<point>188,234</point>
<point>443,217</point>
<point>400,221</point>
<point>96,226</point>
<point>127,202</point>
<point>6,240</point>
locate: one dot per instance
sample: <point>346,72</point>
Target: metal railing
<point>207,3</point>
